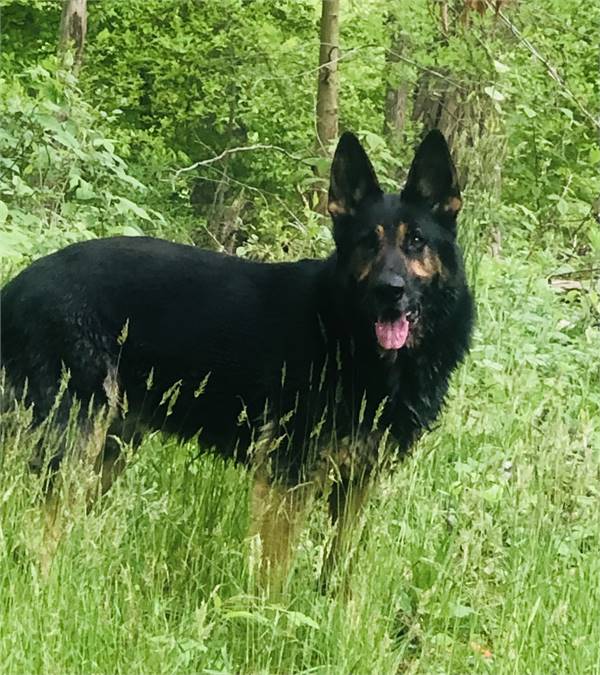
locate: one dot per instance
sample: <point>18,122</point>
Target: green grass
<point>482,552</point>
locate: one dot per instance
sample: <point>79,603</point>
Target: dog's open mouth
<point>394,334</point>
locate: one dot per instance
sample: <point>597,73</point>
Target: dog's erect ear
<point>432,178</point>
<point>353,178</point>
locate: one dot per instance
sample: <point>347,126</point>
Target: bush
<point>61,178</point>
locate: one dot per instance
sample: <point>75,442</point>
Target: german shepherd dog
<point>315,373</point>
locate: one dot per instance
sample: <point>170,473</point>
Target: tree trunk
<point>73,27</point>
<point>327,92</point>
<point>459,107</point>
<point>397,92</point>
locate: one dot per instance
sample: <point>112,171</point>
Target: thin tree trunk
<point>327,92</point>
<point>73,28</point>
<point>397,93</point>
<point>327,89</point>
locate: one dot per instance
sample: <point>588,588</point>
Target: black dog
<point>316,372</point>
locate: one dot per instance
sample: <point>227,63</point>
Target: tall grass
<point>481,552</point>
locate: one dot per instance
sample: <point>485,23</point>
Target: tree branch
<point>232,151</point>
<point>550,69</point>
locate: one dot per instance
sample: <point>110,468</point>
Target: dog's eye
<point>416,241</point>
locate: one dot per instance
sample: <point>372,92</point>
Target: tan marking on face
<point>453,205</point>
<point>361,264</point>
<point>363,271</point>
<point>427,266</point>
<point>401,230</point>
<point>362,261</point>
<point>336,208</point>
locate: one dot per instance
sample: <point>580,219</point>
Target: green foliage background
<point>166,83</point>
<point>482,550</point>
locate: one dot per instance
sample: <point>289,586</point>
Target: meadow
<point>480,554</point>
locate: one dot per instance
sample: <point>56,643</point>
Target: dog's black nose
<point>390,285</point>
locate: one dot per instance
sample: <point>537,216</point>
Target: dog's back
<point>225,336</point>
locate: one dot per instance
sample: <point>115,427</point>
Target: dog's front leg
<point>277,514</point>
<point>346,501</point>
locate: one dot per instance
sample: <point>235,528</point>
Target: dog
<point>317,374</point>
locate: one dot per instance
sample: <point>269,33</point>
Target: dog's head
<point>397,253</point>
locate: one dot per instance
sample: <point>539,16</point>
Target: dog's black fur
<point>284,353</point>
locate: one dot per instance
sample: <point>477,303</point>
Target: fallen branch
<point>573,273</point>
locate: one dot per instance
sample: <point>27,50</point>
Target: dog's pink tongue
<point>392,334</point>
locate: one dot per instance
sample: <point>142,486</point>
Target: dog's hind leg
<point>113,436</point>
<point>123,438</point>
<point>81,477</point>
<point>73,486</point>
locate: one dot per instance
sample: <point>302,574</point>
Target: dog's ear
<point>353,178</point>
<point>432,179</point>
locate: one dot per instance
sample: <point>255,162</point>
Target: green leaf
<point>13,243</point>
<point>245,614</point>
<point>494,94</point>
<point>84,191</point>
<point>459,611</point>
<point>66,138</point>
<point>567,112</point>
<point>124,205</point>
<point>130,179</point>
<point>493,494</point>
<point>21,187</point>
<point>48,122</point>
<point>529,112</point>
<point>562,206</point>
<point>3,212</point>
<point>300,619</point>
<point>132,231</point>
